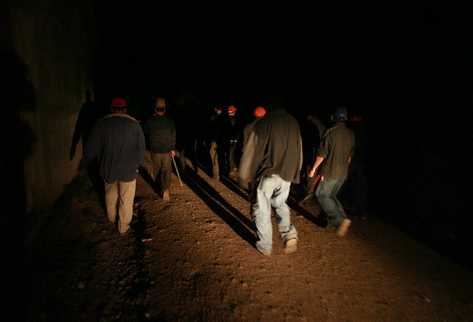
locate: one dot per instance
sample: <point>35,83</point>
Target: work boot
<point>343,228</point>
<point>166,196</point>
<point>291,246</point>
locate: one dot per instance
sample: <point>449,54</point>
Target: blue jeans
<point>272,192</point>
<point>326,194</point>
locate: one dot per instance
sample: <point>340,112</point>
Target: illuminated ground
<point>191,260</point>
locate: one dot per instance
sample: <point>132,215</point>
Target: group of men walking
<point>271,158</point>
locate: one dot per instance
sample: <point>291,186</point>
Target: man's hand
<point>317,163</point>
<point>312,172</point>
<point>172,153</point>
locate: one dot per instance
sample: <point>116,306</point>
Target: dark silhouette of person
<point>19,141</point>
<point>88,116</point>
<point>357,181</point>
<point>232,133</point>
<point>187,115</point>
<point>214,138</point>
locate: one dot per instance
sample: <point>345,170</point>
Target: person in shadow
<point>188,119</point>
<point>88,116</point>
<point>19,141</point>
<point>357,180</point>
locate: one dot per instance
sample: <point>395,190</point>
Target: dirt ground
<point>193,259</point>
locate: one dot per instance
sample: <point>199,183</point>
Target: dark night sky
<point>398,60</point>
<point>365,56</point>
<point>408,66</point>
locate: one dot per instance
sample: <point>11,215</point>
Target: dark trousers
<point>162,170</point>
<point>230,157</point>
<point>326,194</point>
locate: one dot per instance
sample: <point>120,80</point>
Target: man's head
<point>160,106</point>
<point>218,109</point>
<point>259,112</point>
<point>118,105</point>
<point>340,114</point>
<point>232,110</point>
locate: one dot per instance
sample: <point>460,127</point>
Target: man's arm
<point>317,163</point>
<point>246,168</point>
<point>321,154</point>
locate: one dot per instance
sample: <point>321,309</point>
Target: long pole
<point>177,170</point>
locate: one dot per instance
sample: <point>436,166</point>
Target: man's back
<point>118,142</point>
<point>162,134</point>
<point>337,147</point>
<point>280,146</point>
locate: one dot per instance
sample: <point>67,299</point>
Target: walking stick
<point>177,170</point>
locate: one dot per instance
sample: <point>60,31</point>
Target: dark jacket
<point>273,146</point>
<point>231,130</point>
<point>215,128</point>
<point>337,147</point>
<point>161,133</point>
<point>117,141</point>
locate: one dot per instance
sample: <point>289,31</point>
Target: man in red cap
<point>118,143</point>
<point>259,114</point>
<point>272,158</point>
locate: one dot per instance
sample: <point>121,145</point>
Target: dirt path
<point>192,259</point>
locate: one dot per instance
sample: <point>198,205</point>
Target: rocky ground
<point>193,259</point>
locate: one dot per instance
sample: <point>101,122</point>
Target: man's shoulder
<point>331,130</point>
<point>340,130</point>
<point>118,118</point>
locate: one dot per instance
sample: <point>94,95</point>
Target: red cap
<point>232,109</point>
<point>260,112</point>
<point>119,102</point>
